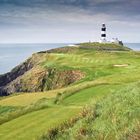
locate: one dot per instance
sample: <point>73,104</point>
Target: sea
<point>12,55</point>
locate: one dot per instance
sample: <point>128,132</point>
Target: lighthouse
<point>103,34</point>
<point>103,37</point>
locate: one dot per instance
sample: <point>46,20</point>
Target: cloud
<point>49,17</point>
<point>114,8</point>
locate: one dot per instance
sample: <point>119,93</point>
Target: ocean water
<point>13,54</point>
<point>134,46</point>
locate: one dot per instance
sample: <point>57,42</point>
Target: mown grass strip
<point>34,124</point>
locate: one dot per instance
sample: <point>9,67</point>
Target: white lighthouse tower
<point>103,34</point>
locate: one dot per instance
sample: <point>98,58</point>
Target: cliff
<point>30,76</point>
<point>45,70</point>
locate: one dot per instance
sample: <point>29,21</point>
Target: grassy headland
<point>101,78</point>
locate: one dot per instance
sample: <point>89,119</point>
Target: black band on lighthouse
<point>103,29</point>
<point>103,35</point>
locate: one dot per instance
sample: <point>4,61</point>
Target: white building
<point>116,40</point>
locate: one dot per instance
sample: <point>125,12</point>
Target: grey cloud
<point>47,16</point>
<point>112,6</point>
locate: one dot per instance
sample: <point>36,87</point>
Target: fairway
<point>32,125</point>
<point>88,95</point>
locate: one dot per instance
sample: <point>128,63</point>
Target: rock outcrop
<point>30,76</point>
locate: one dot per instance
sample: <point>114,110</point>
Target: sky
<point>64,21</point>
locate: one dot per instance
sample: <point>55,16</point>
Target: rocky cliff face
<point>31,77</point>
<point>15,73</point>
<point>19,70</point>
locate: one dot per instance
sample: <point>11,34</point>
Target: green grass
<point>114,117</point>
<point>6,109</point>
<point>15,112</point>
<point>34,124</point>
<point>103,84</point>
<point>102,46</point>
<point>26,99</point>
<point>86,96</point>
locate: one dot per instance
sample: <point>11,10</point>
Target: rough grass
<point>6,109</point>
<point>115,117</point>
<point>27,98</point>
<point>15,112</point>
